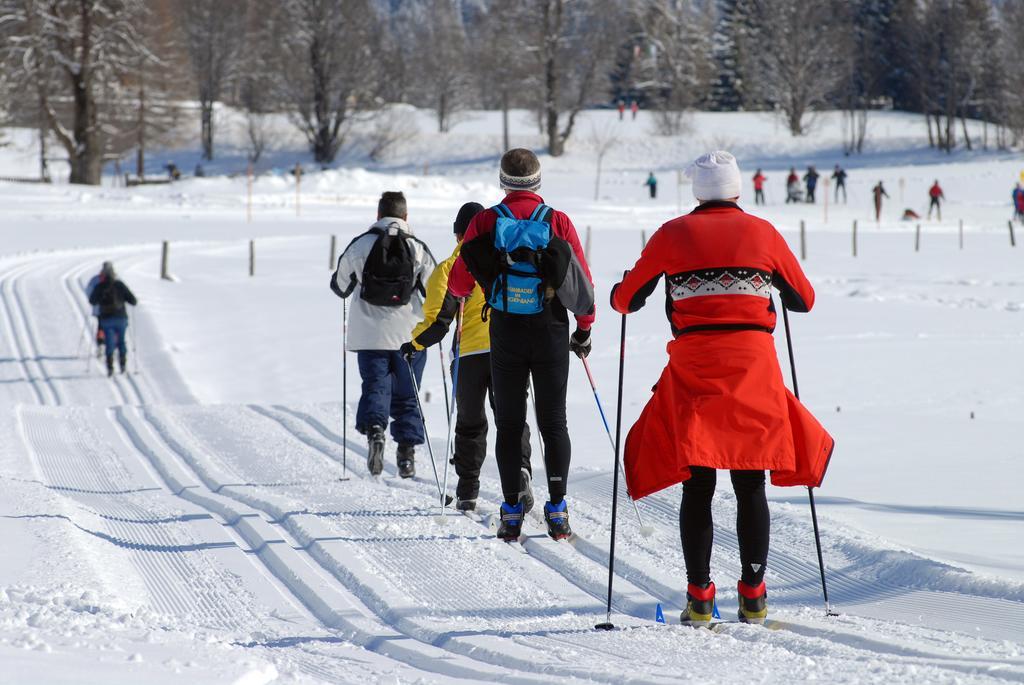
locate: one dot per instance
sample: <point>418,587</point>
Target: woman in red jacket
<point>721,402</point>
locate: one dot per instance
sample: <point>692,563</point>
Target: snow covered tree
<point>1009,105</point>
<point>215,34</point>
<point>791,60</point>
<point>439,52</point>
<point>325,66</point>
<point>729,40</point>
<point>77,53</point>
<point>677,35</point>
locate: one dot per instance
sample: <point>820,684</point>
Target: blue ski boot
<point>557,517</point>
<point>511,522</point>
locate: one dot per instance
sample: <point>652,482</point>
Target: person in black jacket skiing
<point>111,295</point>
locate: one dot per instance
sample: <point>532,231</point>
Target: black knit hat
<point>466,214</point>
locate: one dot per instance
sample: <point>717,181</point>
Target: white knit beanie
<point>715,176</point>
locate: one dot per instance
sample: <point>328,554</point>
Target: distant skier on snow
<point>793,192</point>
<point>721,402</point>
<point>1018,203</point>
<point>474,386</point>
<point>109,297</point>
<point>935,198</point>
<point>389,268</point>
<point>652,185</point>
<point>759,179</point>
<point>878,192</point>
<point>811,179</point>
<point>839,176</point>
<point>530,265</point>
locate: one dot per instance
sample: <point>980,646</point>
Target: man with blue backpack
<point>528,260</point>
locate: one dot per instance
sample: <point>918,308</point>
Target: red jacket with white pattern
<point>720,265</point>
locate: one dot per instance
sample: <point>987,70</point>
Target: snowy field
<point>190,520</point>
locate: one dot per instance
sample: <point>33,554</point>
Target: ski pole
<point>423,420</point>
<point>344,386</point>
<point>135,348</point>
<point>646,531</point>
<point>455,388</point>
<point>810,490</point>
<point>444,381</point>
<point>608,625</point>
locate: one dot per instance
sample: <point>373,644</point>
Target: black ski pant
<point>522,346</point>
<point>841,185</point>
<point>759,196</point>
<point>752,524</point>
<point>474,388</point>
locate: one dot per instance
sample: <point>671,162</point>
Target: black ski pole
<point>344,386</point>
<point>426,435</point>
<point>608,625</point>
<point>810,490</point>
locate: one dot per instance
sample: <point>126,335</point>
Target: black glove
<point>579,343</point>
<point>408,351</point>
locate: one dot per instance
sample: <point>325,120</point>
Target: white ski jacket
<point>380,328</point>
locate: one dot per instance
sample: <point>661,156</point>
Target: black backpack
<point>111,302</point>
<point>389,274</point>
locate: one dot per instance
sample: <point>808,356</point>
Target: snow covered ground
<point>191,521</point>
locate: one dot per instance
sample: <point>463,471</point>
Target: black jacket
<point>111,297</point>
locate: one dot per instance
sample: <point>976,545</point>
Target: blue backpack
<point>518,289</point>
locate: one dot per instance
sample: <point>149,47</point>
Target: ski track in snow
<point>234,517</point>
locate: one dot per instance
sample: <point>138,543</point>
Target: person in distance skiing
<point>652,185</point>
<point>811,179</point>
<point>89,288</point>
<point>720,402</point>
<point>474,371</point>
<point>530,265</point>
<point>839,176</point>
<point>759,179</point>
<point>389,267</point>
<point>935,195</point>
<point>110,297</point>
<point>793,193</point>
<point>1018,203</point>
<point>878,192</point>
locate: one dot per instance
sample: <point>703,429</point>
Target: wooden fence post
<point>334,252</point>
<point>854,237</point>
<point>803,240</point>
<point>961,234</point>
<point>298,188</point>
<point>252,257</point>
<point>1013,238</point>
<point>643,238</point>
<point>586,245</point>
<point>917,238</point>
<point>165,255</point>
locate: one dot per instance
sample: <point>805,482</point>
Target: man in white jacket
<point>387,268</point>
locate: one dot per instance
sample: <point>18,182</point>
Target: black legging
<point>752,524</point>
<point>525,346</point>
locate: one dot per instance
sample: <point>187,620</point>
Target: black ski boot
<point>466,493</point>
<point>375,450</point>
<point>407,461</point>
<point>700,605</point>
<point>753,602</point>
<point>526,490</point>
<point>122,360</point>
<point>511,522</point>
<point>557,517</point>
<point>110,365</point>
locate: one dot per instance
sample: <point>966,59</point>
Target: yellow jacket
<point>441,308</point>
